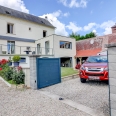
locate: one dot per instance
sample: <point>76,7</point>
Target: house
<point>94,46</point>
<point>23,34</point>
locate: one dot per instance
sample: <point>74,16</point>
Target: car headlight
<point>106,69</point>
<point>82,68</point>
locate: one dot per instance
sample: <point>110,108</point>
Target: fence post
<point>112,78</point>
<point>33,71</point>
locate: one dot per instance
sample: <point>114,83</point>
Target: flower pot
<point>10,64</point>
<point>16,64</point>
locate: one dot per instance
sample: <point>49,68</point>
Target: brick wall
<point>112,39</point>
<point>99,42</point>
<point>92,43</point>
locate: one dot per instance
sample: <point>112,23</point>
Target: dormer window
<point>10,28</point>
<point>7,12</point>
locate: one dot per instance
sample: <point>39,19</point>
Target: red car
<point>94,68</point>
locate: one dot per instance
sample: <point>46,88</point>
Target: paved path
<point>32,103</point>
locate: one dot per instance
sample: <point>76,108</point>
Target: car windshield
<point>97,59</point>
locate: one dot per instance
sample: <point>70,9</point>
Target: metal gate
<point>48,72</point>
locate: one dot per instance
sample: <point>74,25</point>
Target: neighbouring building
<point>94,46</point>
<point>23,34</point>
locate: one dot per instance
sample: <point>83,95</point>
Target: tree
<point>75,35</point>
<point>78,37</point>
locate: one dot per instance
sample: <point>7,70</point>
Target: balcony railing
<point>11,49</point>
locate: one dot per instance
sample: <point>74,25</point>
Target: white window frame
<point>10,32</point>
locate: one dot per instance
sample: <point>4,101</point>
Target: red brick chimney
<point>114,28</point>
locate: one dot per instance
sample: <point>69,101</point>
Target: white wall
<point>55,44</point>
<point>42,43</point>
<point>17,47</point>
<point>24,65</point>
<point>62,52</point>
<point>21,28</point>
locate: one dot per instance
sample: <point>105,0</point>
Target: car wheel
<point>83,80</point>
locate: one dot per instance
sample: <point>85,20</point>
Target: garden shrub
<point>8,73</point>
<point>18,76</point>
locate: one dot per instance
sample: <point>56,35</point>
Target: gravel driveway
<point>92,94</point>
<point>32,103</point>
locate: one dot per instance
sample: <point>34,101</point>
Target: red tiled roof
<point>86,53</point>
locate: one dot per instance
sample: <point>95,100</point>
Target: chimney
<point>46,17</point>
<point>114,28</point>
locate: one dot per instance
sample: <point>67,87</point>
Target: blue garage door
<point>48,72</point>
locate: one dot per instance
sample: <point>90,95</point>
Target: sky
<point>78,16</point>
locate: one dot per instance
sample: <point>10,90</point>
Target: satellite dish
<point>92,41</point>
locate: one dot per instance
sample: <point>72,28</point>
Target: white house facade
<point>21,32</point>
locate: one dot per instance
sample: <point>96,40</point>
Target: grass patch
<point>11,82</point>
<point>67,71</point>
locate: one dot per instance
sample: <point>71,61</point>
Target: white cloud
<point>107,31</point>
<point>14,4</point>
<point>74,3</point>
<point>107,26</point>
<point>72,26</point>
<point>89,26</point>
<point>57,13</point>
<point>83,3</point>
<point>94,31</point>
<point>64,2</point>
<point>66,14</point>
<point>53,18</point>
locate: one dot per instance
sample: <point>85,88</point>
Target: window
<point>66,44</point>
<point>39,48</point>
<point>10,28</point>
<point>11,47</point>
<point>47,47</point>
<point>44,33</point>
<point>23,60</point>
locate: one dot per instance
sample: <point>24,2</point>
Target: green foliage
<point>14,75</point>
<point>8,72</point>
<point>10,59</point>
<point>74,35</point>
<point>16,58</point>
<point>18,76</point>
<point>78,37</point>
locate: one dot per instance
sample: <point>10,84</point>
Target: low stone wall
<point>27,76</point>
